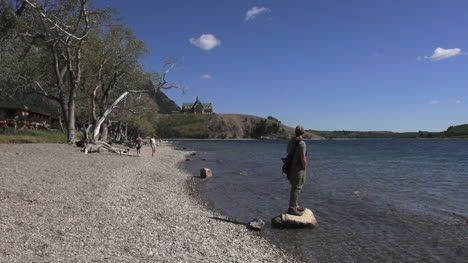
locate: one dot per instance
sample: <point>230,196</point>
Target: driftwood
<point>100,146</point>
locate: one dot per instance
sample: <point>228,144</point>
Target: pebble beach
<point>59,205</point>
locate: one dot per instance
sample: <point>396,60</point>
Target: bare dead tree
<point>161,84</point>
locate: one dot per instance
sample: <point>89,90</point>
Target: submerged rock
<point>205,172</point>
<point>256,224</point>
<point>307,219</point>
<point>360,194</point>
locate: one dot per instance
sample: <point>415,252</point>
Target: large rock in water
<point>291,221</point>
<point>205,172</point>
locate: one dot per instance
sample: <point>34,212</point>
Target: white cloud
<point>205,41</point>
<point>458,101</point>
<point>205,76</point>
<point>442,53</point>
<point>253,12</point>
<point>434,102</point>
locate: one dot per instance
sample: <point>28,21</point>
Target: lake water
<point>375,200</point>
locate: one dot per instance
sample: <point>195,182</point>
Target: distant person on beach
<point>4,126</point>
<point>297,173</point>
<point>153,145</point>
<point>139,144</point>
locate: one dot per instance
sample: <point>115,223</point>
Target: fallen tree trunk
<point>100,146</point>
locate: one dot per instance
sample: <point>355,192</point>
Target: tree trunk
<point>71,115</point>
<point>105,131</point>
<point>125,132</point>
<point>118,132</point>
<point>71,125</point>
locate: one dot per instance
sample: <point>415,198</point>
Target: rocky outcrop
<point>307,219</point>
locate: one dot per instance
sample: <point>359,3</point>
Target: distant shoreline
<point>331,139</point>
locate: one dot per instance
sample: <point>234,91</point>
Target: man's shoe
<point>295,212</point>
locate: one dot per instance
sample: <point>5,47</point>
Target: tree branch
<point>44,15</point>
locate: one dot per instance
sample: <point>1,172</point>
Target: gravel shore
<point>60,205</point>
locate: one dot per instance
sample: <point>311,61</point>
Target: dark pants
<point>297,181</point>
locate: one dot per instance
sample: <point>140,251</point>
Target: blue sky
<point>327,64</point>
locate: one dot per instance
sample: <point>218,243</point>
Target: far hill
<point>365,134</point>
<point>459,131</point>
<point>223,126</point>
<point>165,104</point>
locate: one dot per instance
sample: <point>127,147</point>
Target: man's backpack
<point>288,160</point>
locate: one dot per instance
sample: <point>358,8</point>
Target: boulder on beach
<point>307,219</point>
<point>256,224</point>
<point>205,172</point>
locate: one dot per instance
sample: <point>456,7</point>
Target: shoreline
<point>58,204</point>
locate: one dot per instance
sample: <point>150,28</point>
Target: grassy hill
<point>223,126</point>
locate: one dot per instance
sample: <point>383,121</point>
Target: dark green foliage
<point>138,125</point>
<point>457,131</point>
<point>268,128</point>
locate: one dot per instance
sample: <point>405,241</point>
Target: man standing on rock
<point>296,176</point>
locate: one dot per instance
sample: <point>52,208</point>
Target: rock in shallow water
<point>291,221</point>
<point>256,224</point>
<point>205,172</point>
